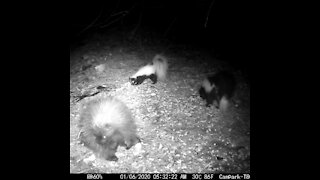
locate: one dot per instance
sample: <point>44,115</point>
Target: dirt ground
<point>179,133</point>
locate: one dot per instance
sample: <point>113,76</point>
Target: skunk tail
<point>160,64</point>
<point>224,104</point>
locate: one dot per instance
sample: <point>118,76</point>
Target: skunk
<point>156,70</point>
<point>107,123</point>
<point>218,89</point>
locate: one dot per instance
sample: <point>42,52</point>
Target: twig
<point>79,133</point>
<point>121,12</point>
<point>205,24</point>
<point>91,24</point>
<point>112,21</point>
<point>170,26</point>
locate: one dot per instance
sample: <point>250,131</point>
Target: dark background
<point>219,26</point>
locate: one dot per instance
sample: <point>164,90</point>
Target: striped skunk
<point>106,124</point>
<point>154,71</point>
<point>218,89</point>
